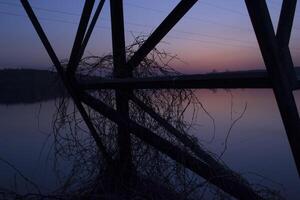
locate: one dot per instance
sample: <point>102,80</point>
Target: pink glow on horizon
<point>214,36</point>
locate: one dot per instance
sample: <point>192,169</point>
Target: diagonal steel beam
<point>216,174</point>
<point>209,169</point>
<point>161,31</point>
<point>270,49</point>
<point>84,20</point>
<point>285,23</point>
<point>183,137</point>
<point>68,84</point>
<point>88,35</point>
<point>283,36</point>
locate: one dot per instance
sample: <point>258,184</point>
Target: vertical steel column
<point>282,87</point>
<point>120,71</point>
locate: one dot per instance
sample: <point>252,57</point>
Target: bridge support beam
<point>122,104</point>
<point>279,74</point>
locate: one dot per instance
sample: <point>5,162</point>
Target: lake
<point>257,143</point>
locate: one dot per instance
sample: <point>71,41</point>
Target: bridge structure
<point>279,76</point>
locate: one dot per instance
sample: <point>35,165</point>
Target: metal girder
<point>161,31</point>
<point>84,20</point>
<point>121,71</point>
<point>224,80</point>
<point>279,76</point>
<point>285,23</point>
<point>219,177</point>
<point>70,85</point>
<point>283,36</point>
<point>87,35</point>
<point>282,87</point>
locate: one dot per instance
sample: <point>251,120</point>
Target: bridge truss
<point>279,76</point>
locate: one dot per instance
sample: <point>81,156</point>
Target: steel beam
<point>68,84</point>
<point>84,20</point>
<point>161,31</point>
<point>221,177</point>
<point>283,36</point>
<point>280,76</point>
<point>121,71</point>
<point>282,87</point>
<point>225,80</point>
<point>88,34</point>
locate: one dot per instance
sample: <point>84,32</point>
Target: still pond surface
<point>257,143</point>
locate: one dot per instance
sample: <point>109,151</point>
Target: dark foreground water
<point>257,143</point>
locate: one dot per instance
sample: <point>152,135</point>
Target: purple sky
<point>214,35</point>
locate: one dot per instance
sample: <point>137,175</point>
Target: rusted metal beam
<point>282,87</point>
<point>121,71</point>
<point>283,36</point>
<point>201,81</point>
<point>84,20</point>
<point>161,31</point>
<point>217,175</point>
<point>69,85</point>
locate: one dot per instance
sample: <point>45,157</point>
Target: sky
<point>215,35</point>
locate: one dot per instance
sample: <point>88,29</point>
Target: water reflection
<point>25,142</point>
<point>257,143</point>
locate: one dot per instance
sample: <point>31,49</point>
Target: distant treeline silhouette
<point>33,85</point>
<point>29,86</point>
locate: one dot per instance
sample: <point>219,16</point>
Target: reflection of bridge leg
<point>275,62</point>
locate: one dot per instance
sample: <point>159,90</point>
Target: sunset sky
<point>214,35</point>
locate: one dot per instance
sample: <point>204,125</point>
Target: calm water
<point>257,143</point>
